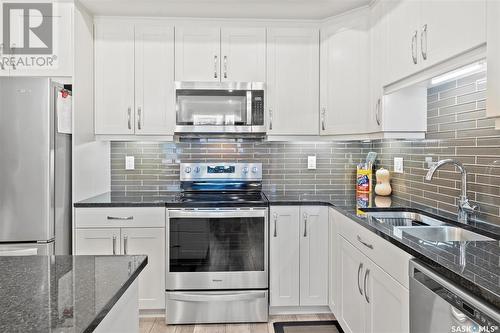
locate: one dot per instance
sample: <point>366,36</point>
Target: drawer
<point>120,217</point>
<point>389,257</point>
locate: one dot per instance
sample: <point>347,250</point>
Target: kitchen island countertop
<point>62,293</point>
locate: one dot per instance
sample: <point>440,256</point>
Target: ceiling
<point>259,9</point>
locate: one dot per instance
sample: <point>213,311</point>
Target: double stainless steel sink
<point>425,227</point>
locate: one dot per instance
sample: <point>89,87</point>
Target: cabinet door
<point>154,80</point>
<point>293,81</point>
<point>197,54</point>
<point>449,28</point>
<point>403,22</point>
<point>378,65</point>
<point>387,302</point>
<point>97,241</point>
<point>314,255</point>
<point>352,306</point>
<point>114,78</point>
<point>151,242</point>
<point>284,256</point>
<point>345,77</point>
<point>243,54</point>
<point>334,269</point>
<point>493,56</point>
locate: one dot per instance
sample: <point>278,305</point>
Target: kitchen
<point>221,166</point>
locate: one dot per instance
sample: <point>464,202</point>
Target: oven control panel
<point>220,171</point>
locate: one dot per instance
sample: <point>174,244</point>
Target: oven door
<point>217,249</point>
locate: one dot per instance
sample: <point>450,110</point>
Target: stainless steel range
<point>217,258</point>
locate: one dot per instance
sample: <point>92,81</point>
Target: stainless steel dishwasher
<point>438,305</point>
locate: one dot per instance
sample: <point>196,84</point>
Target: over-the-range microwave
<point>220,107</point>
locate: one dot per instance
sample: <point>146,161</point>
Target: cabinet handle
<point>225,67</point>
<point>129,113</point>
<point>114,245</point>
<point>270,119</point>
<point>306,216</point>
<point>120,218</point>
<point>360,268</point>
<point>323,116</point>
<point>364,286</point>
<point>422,34</point>
<point>414,47</point>
<point>215,66</point>
<point>125,244</point>
<point>364,243</point>
<point>139,121</point>
<point>377,112</point>
<point>275,216</point>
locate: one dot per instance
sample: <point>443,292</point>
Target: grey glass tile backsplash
<point>457,128</point>
<point>284,164</point>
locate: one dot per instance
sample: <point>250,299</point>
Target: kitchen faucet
<point>464,205</point>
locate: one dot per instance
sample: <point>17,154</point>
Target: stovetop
<point>222,199</point>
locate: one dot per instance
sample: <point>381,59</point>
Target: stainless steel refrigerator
<point>35,169</point>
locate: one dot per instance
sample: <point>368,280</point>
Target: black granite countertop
<point>62,293</point>
<point>472,265</point>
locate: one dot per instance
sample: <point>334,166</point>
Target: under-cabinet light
<point>469,69</point>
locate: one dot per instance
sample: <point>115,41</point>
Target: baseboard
<point>291,310</point>
<point>151,313</point>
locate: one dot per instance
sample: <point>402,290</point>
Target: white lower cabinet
<point>299,256</point>
<point>151,242</point>
<point>125,239</point>
<point>370,299</point>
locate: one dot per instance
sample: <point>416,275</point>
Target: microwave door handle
<point>249,108</point>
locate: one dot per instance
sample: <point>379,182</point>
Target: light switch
<point>311,162</point>
<point>129,163</point>
<point>398,165</point>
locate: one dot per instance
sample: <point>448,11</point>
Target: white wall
<point>91,163</point>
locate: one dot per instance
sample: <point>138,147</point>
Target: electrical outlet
<point>129,163</point>
<point>311,162</point>
<point>398,165</point>
<point>428,161</point>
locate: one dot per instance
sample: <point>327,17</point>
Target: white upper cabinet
<point>403,20</point>
<point>293,81</point>
<point>421,34</point>
<point>114,78</point>
<point>243,54</point>
<point>197,54</point>
<point>345,76</point>
<point>154,80</point>
<point>493,56</point>
<point>214,54</point>
<point>448,28</point>
<point>134,79</point>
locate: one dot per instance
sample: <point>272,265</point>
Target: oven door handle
<point>216,213</point>
<point>216,296</point>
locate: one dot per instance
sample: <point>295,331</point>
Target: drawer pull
<point>126,218</point>
<point>364,286</point>
<point>364,243</point>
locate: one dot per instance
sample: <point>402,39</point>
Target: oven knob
<point>187,170</point>
<point>254,169</point>
<point>197,169</point>
<point>245,170</point>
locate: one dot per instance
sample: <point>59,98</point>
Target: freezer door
<point>27,249</point>
<point>26,160</point>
